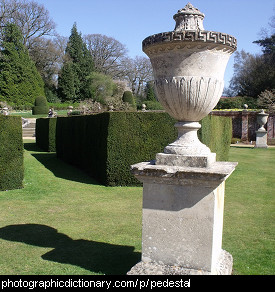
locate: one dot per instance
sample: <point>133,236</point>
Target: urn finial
<point>189,18</point>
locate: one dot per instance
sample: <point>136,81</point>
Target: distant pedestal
<point>261,139</point>
<point>183,219</point>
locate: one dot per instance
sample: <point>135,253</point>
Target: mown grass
<point>249,219</point>
<point>29,115</point>
<point>63,222</point>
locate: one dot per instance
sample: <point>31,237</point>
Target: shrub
<point>11,153</point>
<point>45,134</point>
<point>153,105</point>
<point>105,145</point>
<point>40,106</point>
<point>128,97</point>
<point>236,102</point>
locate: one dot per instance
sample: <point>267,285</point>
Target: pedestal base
<point>182,217</point>
<point>224,267</point>
<point>261,139</point>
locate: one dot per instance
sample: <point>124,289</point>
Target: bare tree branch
<point>32,19</point>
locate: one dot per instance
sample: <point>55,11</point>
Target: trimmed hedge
<point>128,97</point>
<point>216,133</point>
<point>105,145</point>
<point>11,153</point>
<point>40,106</point>
<point>45,134</point>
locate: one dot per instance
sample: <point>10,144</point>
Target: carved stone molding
<point>191,98</point>
<point>198,36</point>
<point>189,18</point>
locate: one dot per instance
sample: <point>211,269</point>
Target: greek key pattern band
<point>191,36</point>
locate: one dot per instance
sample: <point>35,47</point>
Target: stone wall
<point>244,124</point>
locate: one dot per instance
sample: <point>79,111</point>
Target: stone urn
<point>183,190</point>
<point>188,66</point>
<point>70,110</point>
<point>5,111</point>
<point>262,120</point>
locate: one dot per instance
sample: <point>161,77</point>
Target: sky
<point>131,21</point>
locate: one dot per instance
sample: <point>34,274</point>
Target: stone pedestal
<point>261,139</point>
<point>183,219</point>
<point>183,190</point>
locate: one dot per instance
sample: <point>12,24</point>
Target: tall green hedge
<point>216,133</point>
<point>105,145</point>
<point>45,133</point>
<point>11,153</point>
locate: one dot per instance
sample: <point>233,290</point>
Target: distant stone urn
<point>188,66</point>
<point>262,120</point>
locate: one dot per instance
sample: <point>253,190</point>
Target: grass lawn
<point>28,114</point>
<point>249,219</point>
<point>63,222</point>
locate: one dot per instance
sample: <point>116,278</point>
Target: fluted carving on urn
<point>201,96</point>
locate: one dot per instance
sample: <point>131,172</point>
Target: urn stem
<point>187,142</point>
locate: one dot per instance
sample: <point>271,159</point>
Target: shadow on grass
<point>98,257</point>
<point>31,146</point>
<point>58,167</point>
<point>63,170</point>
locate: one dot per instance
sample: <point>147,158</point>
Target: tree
<point>150,91</point>
<point>268,45</point>
<point>47,55</point>
<point>32,19</point>
<point>20,82</point>
<point>252,74</point>
<point>266,100</point>
<point>108,54</point>
<point>100,86</point>
<point>68,83</point>
<point>78,65</point>
<point>139,71</point>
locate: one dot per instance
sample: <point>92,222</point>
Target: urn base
<point>187,150</point>
<point>185,160</point>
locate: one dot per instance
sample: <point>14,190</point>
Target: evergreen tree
<point>73,78</point>
<point>20,82</point>
<point>68,83</point>
<point>150,92</point>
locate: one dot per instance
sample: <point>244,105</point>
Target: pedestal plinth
<point>183,219</point>
<point>261,139</point>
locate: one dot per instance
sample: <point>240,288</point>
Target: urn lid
<point>189,18</point>
<point>262,113</point>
